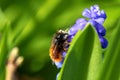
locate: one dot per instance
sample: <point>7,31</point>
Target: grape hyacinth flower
<point>96,18</point>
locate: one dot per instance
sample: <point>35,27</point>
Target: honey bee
<point>60,43</point>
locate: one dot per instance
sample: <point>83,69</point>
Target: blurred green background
<point>32,24</point>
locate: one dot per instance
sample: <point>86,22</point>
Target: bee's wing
<point>55,48</point>
<point>54,44</point>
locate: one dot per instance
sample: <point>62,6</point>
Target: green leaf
<point>76,63</point>
<point>3,53</point>
<point>111,66</point>
<point>96,59</point>
<point>3,20</point>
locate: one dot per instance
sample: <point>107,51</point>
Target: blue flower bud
<point>99,28</point>
<point>104,42</point>
<point>59,64</point>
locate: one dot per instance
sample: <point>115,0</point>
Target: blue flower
<point>79,25</point>
<point>96,18</point>
<point>94,13</point>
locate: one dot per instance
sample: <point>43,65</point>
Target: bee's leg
<point>66,46</point>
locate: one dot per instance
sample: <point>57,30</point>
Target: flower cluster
<point>96,18</point>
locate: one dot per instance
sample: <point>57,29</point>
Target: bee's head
<point>61,35</point>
